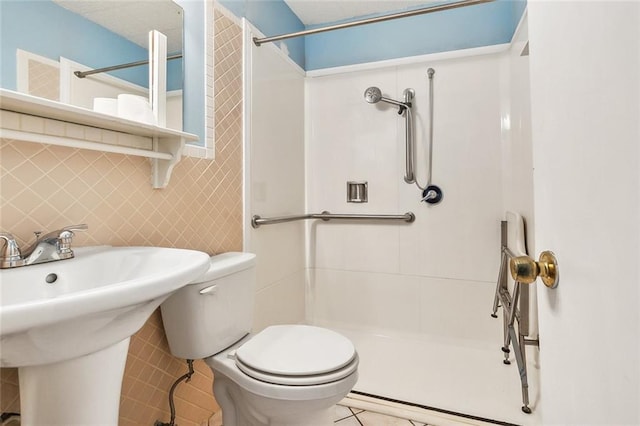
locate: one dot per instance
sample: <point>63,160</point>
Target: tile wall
<point>43,187</point>
<point>40,76</point>
<point>451,245</point>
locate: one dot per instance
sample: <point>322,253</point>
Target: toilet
<point>285,375</point>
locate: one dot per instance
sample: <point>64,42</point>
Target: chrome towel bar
<point>256,220</point>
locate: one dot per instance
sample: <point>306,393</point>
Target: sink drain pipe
<point>186,377</point>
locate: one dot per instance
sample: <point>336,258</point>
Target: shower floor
<point>465,377</point>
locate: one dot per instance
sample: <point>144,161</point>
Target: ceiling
<point>133,19</point>
<point>314,12</point>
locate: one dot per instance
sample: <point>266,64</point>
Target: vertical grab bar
<point>409,176</point>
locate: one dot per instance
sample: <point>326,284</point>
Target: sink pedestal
<point>80,391</point>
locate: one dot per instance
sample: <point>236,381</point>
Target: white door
<point>584,58</point>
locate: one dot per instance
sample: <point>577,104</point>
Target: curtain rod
<point>430,9</point>
<point>83,74</point>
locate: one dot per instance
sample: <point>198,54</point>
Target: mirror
<point>43,42</point>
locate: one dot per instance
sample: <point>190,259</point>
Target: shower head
<point>372,95</point>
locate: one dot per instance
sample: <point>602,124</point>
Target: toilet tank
<point>213,312</point>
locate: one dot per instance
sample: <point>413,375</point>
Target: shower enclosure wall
<point>414,298</point>
<point>274,180</point>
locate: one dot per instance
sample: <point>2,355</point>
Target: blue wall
<point>46,29</point>
<point>272,17</point>
<point>194,90</point>
<point>462,28</point>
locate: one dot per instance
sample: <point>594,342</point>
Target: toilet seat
<point>308,380</point>
<point>297,355</point>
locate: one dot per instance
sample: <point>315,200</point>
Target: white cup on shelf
<point>106,105</point>
<point>135,108</point>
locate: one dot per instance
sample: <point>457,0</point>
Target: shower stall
<point>415,298</point>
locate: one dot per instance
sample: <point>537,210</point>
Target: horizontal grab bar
<point>407,217</point>
<point>256,220</point>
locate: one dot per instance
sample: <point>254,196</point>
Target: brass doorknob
<point>525,270</point>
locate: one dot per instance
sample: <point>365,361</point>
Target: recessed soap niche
<point>357,192</point>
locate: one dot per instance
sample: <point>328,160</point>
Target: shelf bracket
<point>161,169</point>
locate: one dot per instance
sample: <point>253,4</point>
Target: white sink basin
<point>92,304</point>
<point>102,296</point>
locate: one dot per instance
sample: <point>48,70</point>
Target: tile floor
<point>346,416</point>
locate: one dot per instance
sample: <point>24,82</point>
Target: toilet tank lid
<point>225,264</point>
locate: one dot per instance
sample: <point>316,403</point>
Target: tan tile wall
<point>40,78</point>
<point>43,187</point>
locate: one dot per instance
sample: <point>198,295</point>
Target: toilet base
<point>243,408</point>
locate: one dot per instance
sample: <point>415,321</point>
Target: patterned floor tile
<point>375,419</point>
<point>341,412</point>
<point>349,421</point>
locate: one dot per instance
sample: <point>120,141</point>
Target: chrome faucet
<point>55,245</point>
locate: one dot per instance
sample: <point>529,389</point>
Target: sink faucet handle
<point>66,236</point>
<point>10,255</point>
<point>80,227</point>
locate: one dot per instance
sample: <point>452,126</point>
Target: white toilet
<point>286,375</point>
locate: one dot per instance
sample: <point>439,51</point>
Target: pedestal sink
<point>66,325</point>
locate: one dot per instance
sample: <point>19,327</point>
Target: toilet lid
<point>308,380</point>
<point>296,350</point>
